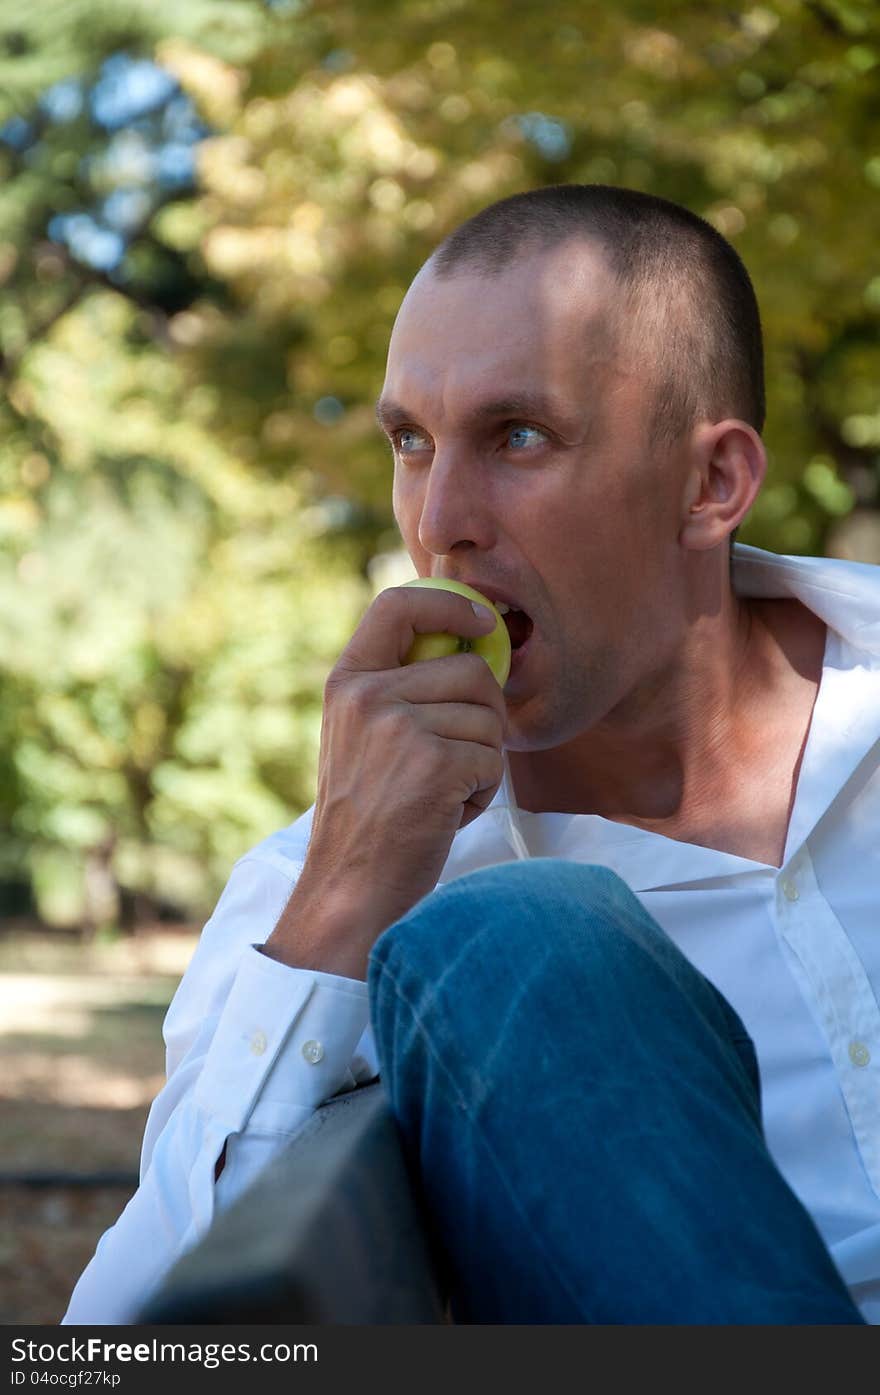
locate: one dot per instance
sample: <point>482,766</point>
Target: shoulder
<point>797,632</point>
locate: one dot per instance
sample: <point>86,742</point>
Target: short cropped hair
<point>687,303</point>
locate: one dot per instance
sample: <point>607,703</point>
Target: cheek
<point>397,499</point>
<point>405,507</point>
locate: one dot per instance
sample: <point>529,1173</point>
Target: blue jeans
<point>581,1108</point>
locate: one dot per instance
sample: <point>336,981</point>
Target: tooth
<point>501,607</point>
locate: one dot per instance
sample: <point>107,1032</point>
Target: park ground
<point>81,1058</point>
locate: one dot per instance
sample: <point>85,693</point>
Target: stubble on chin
<point>544,722</point>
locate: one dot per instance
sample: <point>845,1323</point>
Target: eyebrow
<point>524,405</point>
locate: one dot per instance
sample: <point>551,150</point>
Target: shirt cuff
<point>284,1043</point>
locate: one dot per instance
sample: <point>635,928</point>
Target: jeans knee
<point>559,956</point>
<point>540,909</point>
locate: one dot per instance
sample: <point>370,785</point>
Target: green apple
<point>493,647</point>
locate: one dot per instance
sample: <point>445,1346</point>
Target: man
<point>580,902</point>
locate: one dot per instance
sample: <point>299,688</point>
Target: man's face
<point>522,466</point>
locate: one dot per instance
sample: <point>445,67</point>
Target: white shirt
<point>254,1046</point>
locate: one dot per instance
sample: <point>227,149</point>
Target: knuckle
<point>436,749</point>
<point>491,769</point>
<point>336,679</point>
<point>361,696</point>
<point>390,603</point>
<point>394,725</point>
<point>385,600</point>
<point>351,693</point>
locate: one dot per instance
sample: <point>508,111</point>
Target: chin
<point>531,729</point>
<point>533,725</point>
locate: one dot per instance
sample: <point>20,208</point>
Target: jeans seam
<point>490,1152</point>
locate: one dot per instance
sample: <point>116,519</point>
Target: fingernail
<point>482,612</point>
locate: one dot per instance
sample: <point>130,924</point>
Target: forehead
<point>545,323</point>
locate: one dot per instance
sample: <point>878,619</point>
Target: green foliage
<point>44,43</point>
<point>192,490</point>
<point>167,621</point>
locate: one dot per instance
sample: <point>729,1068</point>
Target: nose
<point>455,515</point>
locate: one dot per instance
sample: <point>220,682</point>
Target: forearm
<point>329,927</point>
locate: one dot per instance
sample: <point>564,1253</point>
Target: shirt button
<point>789,890</point>
<point>859,1053</point>
<point>258,1043</point>
<point>313,1052</point>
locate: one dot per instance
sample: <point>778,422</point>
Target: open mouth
<point>519,626</point>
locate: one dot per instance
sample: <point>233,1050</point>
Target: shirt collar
<point>846,595</point>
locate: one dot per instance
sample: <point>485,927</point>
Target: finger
<point>477,770</point>
<point>386,633</point>
<point>452,678</point>
<point>462,721</point>
<point>458,678</point>
<point>472,808</point>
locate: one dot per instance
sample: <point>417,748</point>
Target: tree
<point>359,138</point>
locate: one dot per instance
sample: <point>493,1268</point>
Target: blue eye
<point>524,436</point>
<point>407,440</point>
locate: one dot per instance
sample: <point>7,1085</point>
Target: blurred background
<point>209,213</point>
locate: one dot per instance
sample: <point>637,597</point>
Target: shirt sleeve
<point>253,1046</point>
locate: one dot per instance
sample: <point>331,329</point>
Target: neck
<point>668,752</point>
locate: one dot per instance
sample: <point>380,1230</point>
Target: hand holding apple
<point>410,753</point>
<point>494,646</point>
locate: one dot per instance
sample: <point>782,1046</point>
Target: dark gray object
<point>331,1233</point>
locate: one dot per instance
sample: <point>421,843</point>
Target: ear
<point>727,464</point>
